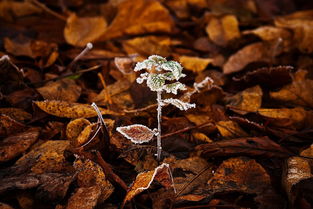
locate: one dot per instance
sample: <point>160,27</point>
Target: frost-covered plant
<point>161,76</point>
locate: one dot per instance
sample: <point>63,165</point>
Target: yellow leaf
<point>139,17</point>
<point>195,64</point>
<point>230,129</point>
<point>70,110</point>
<point>81,30</point>
<point>299,92</point>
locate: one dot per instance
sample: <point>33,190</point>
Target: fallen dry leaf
<point>5,206</point>
<point>16,113</point>
<point>9,126</point>
<point>9,10</point>
<point>230,129</point>
<point>74,128</point>
<point>144,180</point>
<point>139,17</point>
<point>85,135</point>
<point>255,52</point>
<point>223,29</point>
<point>15,145</point>
<point>301,24</point>
<point>70,110</point>
<point>81,30</point>
<point>195,64</point>
<point>253,146</point>
<point>84,198</point>
<point>247,101</point>
<point>62,90</point>
<point>299,92</point>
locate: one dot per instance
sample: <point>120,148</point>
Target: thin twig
<point>46,9</point>
<point>186,129</point>
<point>141,109</point>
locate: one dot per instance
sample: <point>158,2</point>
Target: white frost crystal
<point>179,104</point>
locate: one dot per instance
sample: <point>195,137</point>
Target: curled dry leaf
<point>253,146</point>
<point>144,180</point>
<point>62,90</point>
<point>299,92</point>
<point>81,30</point>
<point>74,128</point>
<point>195,64</point>
<point>230,129</point>
<point>85,135</point>
<point>70,110</point>
<point>9,126</point>
<point>16,113</point>
<point>139,17</point>
<point>15,145</point>
<point>137,133</point>
<point>249,100</point>
<point>223,29</point>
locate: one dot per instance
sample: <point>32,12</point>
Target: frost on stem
<point>161,76</point>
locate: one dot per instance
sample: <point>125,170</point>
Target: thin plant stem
<point>159,109</point>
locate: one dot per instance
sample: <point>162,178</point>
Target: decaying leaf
<point>230,129</point>
<point>85,135</point>
<point>138,17</point>
<point>243,175</point>
<point>137,133</point>
<point>253,146</point>
<point>249,100</point>
<point>201,137</point>
<point>299,92</point>
<point>62,90</point>
<point>195,64</point>
<point>179,104</point>
<point>223,29</point>
<point>15,145</point>
<point>81,30</point>
<point>144,180</point>
<point>199,119</point>
<point>16,113</point>
<point>9,126</point>
<point>11,9</point>
<point>84,198</point>
<point>91,174</point>
<point>70,110</point>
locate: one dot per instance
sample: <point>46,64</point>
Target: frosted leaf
<point>173,87</point>
<point>143,76</point>
<point>157,59</point>
<point>155,82</point>
<point>175,68</point>
<point>137,133</point>
<point>179,104</point>
<point>207,81</point>
<point>146,64</point>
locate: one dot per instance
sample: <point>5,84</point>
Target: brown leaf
<point>230,129</point>
<point>84,198</point>
<point>299,92</point>
<point>144,180</point>
<point>254,146</point>
<point>15,145</point>
<point>301,24</point>
<point>249,100</point>
<point>223,29</point>
<point>63,90</point>
<point>137,133</point>
<point>148,45</point>
<point>139,17</point>
<point>255,52</point>
<point>85,135</point>
<point>11,77</point>
<point>81,30</point>
<point>5,206</point>
<point>19,182</point>
<point>70,110</point>
<point>91,174</point>
<point>9,126</point>
<point>297,179</point>
<point>12,9</point>
<point>195,64</point>
<point>16,113</point>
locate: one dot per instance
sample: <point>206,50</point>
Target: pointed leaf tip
<point>137,133</point>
